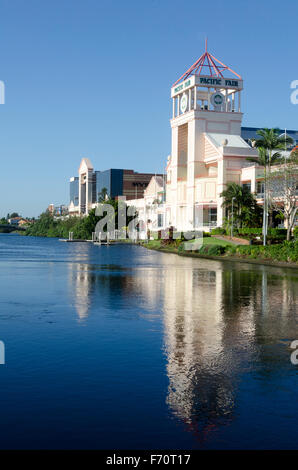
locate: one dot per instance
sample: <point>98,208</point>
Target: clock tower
<point>207,148</point>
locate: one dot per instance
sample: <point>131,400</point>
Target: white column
<point>253,180</point>
<point>208,99</point>
<point>221,181</point>
<point>233,101</point>
<point>174,102</point>
<point>80,194</point>
<point>226,105</point>
<point>189,99</point>
<point>87,192</point>
<point>239,101</point>
<point>178,110</point>
<point>195,98</point>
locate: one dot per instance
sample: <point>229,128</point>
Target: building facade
<point>74,191</point>
<point>150,208</point>
<point>87,188</point>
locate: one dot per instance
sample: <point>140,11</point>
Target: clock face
<point>183,103</point>
<point>217,99</point>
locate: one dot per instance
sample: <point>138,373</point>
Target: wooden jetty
<point>73,241</point>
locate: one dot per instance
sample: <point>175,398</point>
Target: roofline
<point>258,128</point>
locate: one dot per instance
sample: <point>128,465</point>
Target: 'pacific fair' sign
<point>207,81</point>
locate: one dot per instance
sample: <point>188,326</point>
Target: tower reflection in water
<point>216,319</point>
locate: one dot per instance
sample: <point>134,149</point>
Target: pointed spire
<point>207,61</point>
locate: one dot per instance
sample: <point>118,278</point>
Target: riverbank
<point>228,252</point>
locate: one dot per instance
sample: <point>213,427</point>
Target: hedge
<point>287,251</point>
<point>212,250</point>
<point>218,231</point>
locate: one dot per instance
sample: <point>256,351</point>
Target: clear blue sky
<point>92,78</point>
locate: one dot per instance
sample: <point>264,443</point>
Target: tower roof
<point>86,163</point>
<point>207,64</point>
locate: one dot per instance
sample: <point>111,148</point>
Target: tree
<point>14,214</point>
<point>284,190</point>
<point>43,226</point>
<point>266,161</point>
<point>82,227</point>
<point>246,211</point>
<point>102,195</point>
<point>270,140</point>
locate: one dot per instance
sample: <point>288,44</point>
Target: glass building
<point>248,133</point>
<point>74,190</point>
<point>111,180</point>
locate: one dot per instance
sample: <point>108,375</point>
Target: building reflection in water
<point>92,285</point>
<point>216,318</point>
<point>216,321</point>
<point>80,285</point>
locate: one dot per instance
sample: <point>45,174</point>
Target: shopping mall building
<point>210,148</point>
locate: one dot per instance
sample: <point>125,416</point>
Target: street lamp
<point>232,226</point>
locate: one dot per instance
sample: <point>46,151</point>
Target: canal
<point>122,347</point>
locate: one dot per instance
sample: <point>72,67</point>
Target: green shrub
<point>181,248</point>
<point>257,231</point>
<point>277,234</point>
<point>274,235</point>
<point>212,250</point>
<point>171,243</point>
<point>287,251</point>
<point>218,231</point>
<point>230,249</point>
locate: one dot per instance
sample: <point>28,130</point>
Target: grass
<point>215,241</point>
<point>156,244</point>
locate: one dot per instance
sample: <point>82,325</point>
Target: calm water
<point>121,347</point>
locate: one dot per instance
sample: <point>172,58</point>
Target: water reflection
<point>217,319</point>
<point>81,281</point>
<point>215,322</point>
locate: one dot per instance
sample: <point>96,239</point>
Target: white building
<point>207,153</point>
<point>151,208</point>
<point>207,148</point>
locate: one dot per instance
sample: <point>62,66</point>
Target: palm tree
<point>102,195</point>
<point>239,202</point>
<point>270,141</point>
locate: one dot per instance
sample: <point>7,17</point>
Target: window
<point>212,216</point>
<point>260,187</point>
<point>160,220</point>
<point>247,186</point>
